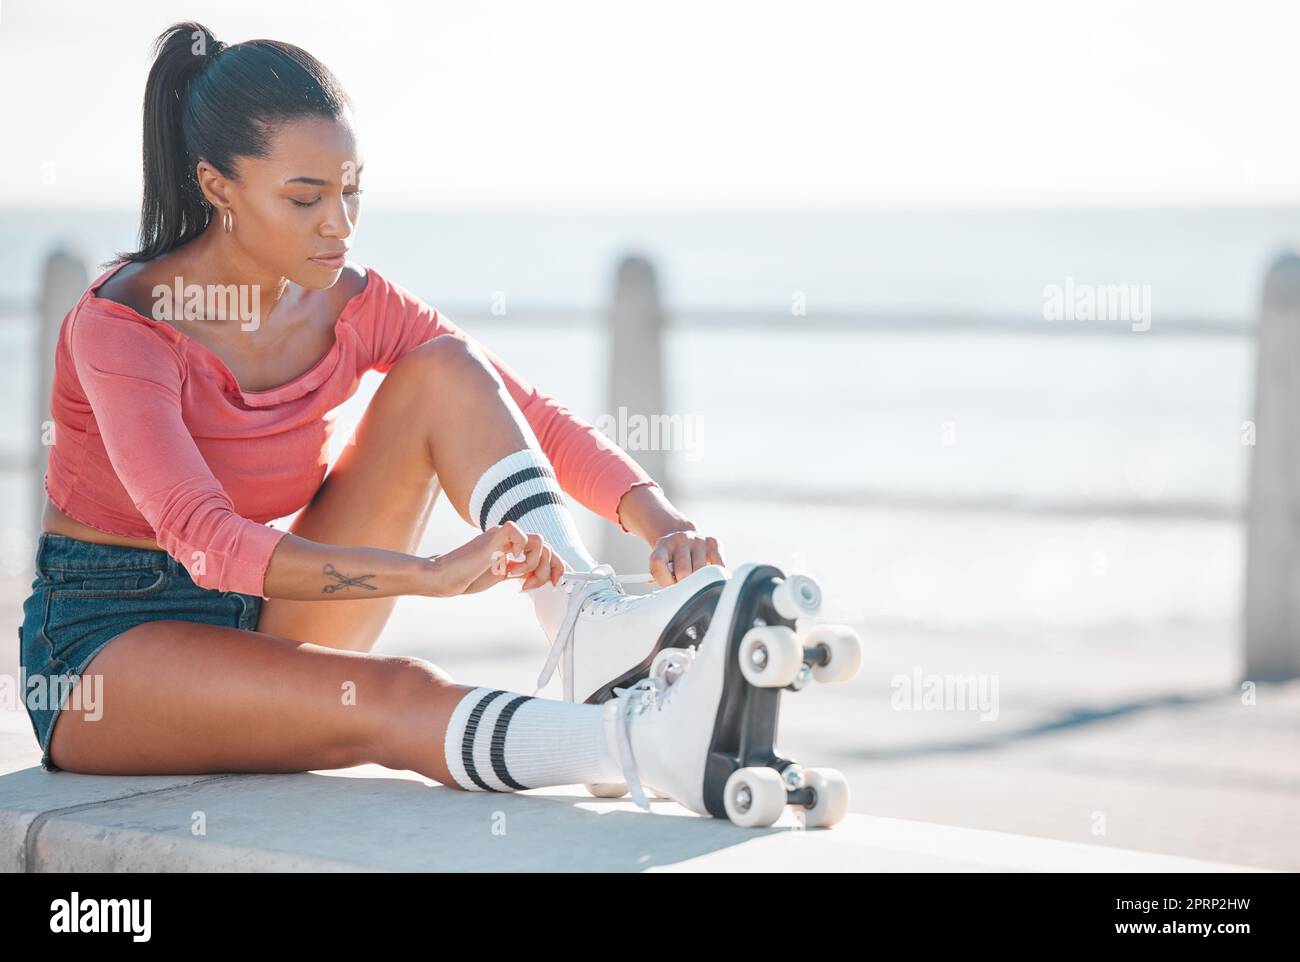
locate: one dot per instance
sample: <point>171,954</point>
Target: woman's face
<point>296,209</point>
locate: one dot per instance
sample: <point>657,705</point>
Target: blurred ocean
<point>922,439</point>
<point>1202,264</point>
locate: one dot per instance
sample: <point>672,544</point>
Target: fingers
<point>508,546</point>
<point>681,560</point>
<point>676,556</point>
<point>699,555</point>
<point>544,574</point>
<point>524,555</point>
<point>532,555</point>
<point>540,572</point>
<point>670,561</point>
<point>659,565</point>
<point>512,538</point>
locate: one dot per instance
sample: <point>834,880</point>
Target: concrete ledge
<point>374,819</point>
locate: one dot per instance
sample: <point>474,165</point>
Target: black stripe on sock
<point>499,742</point>
<point>467,743</point>
<point>530,502</point>
<point>527,474</point>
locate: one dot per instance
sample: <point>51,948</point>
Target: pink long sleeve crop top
<point>154,438</point>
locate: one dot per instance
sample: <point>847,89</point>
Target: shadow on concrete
<point>1066,720</point>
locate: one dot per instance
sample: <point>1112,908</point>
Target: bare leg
<point>180,697</point>
<point>440,419</point>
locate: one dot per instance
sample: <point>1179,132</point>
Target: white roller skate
<point>700,728</point>
<point>609,639</point>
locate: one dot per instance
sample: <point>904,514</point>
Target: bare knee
<point>408,704</point>
<point>408,677</point>
<point>424,667</point>
<point>450,361</point>
<point>444,355</point>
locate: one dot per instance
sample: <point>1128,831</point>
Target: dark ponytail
<point>205,100</point>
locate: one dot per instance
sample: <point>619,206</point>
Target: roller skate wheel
<point>770,656</point>
<point>844,647</point>
<point>831,791</point>
<point>607,789</point>
<point>668,664</point>
<point>798,596</point>
<point>754,797</point>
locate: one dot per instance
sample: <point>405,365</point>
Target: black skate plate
<point>744,732</point>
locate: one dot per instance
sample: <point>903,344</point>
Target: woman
<point>223,644</point>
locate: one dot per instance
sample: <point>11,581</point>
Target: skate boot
<point>608,639</point>
<point>701,727</point>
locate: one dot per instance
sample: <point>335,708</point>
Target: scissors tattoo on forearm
<point>345,581</point>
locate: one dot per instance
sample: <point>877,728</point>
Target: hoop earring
<point>227,220</point>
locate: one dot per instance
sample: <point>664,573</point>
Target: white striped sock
<point>522,488</point>
<point>500,741</point>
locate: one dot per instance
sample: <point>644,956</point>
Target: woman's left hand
<point>687,551</point>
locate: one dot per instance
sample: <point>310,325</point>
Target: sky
<point>710,104</point>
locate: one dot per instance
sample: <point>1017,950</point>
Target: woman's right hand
<point>489,559</point>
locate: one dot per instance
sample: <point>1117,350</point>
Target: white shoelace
<point>564,637</point>
<point>654,691</point>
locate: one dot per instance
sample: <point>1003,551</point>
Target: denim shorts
<point>86,594</point>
